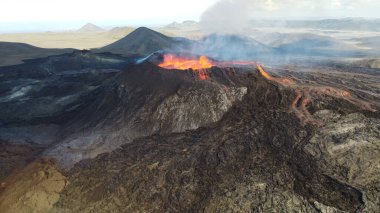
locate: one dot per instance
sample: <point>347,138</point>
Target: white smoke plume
<point>233,16</point>
<point>230,16</point>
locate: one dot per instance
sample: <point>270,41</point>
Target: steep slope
<point>41,95</point>
<point>14,53</point>
<point>143,41</point>
<point>145,100</point>
<point>90,107</point>
<point>258,158</point>
<point>58,81</point>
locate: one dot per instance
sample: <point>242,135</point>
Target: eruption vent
<point>182,63</point>
<point>201,64</point>
<point>198,65</point>
<point>305,94</point>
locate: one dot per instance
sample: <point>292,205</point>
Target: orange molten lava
<point>181,63</point>
<point>199,66</point>
<point>176,62</point>
<point>263,73</point>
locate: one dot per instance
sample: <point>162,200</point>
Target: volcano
<point>168,132</point>
<point>144,41</point>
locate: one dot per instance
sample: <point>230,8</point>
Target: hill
<point>89,27</point>
<point>14,53</point>
<point>143,41</point>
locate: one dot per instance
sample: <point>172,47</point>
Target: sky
<point>57,14</point>
<point>29,15</point>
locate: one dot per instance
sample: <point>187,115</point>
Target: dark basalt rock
<point>253,160</point>
<point>147,139</point>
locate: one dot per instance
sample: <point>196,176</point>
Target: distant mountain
<point>14,53</point>
<point>306,44</point>
<point>189,22</point>
<point>355,24</point>
<point>120,32</point>
<point>311,44</point>
<point>184,24</point>
<point>173,25</point>
<point>187,29</point>
<point>144,41</point>
<point>89,27</point>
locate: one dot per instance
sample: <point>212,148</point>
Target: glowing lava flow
<point>263,73</point>
<point>305,94</point>
<point>284,81</point>
<point>198,65</point>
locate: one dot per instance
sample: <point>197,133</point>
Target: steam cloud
<point>228,16</point>
<point>233,16</point>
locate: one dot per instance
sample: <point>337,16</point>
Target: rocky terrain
<point>39,96</point>
<point>258,158</point>
<point>99,132</point>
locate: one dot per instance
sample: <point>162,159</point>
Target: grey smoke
<point>226,22</point>
<point>232,29</point>
<point>228,16</point>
